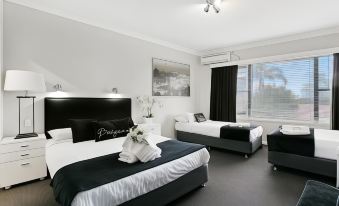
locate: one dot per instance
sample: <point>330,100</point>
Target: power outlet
<point>28,123</point>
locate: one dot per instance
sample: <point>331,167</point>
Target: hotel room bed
<point>315,153</point>
<point>60,154</point>
<point>89,174</point>
<point>220,135</point>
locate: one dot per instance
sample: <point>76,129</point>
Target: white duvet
<point>326,143</point>
<point>212,128</point>
<point>65,152</point>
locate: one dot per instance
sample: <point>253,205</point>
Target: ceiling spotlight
<point>214,4</point>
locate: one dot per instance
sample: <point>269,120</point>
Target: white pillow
<point>190,117</point>
<point>61,134</point>
<point>181,118</point>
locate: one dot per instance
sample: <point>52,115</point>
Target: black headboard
<point>59,110</point>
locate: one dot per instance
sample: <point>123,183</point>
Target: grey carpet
<point>233,181</point>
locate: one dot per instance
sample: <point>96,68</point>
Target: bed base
<point>173,190</point>
<point>229,144</point>
<point>325,167</point>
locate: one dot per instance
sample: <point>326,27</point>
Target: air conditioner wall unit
<point>216,58</point>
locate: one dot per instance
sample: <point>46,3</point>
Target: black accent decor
<point>88,174</point>
<point>104,130</point>
<point>33,133</point>
<point>236,133</point>
<point>58,111</point>
<point>335,93</point>
<point>292,144</point>
<point>318,193</point>
<point>228,144</point>
<point>82,129</point>
<point>223,93</point>
<point>200,117</point>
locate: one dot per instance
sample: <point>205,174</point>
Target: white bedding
<point>212,128</point>
<point>326,143</point>
<point>65,152</point>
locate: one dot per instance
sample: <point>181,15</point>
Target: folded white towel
<point>133,151</point>
<point>149,153</point>
<point>128,157</point>
<point>239,124</point>
<point>295,130</point>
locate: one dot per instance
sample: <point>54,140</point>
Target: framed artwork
<point>170,78</point>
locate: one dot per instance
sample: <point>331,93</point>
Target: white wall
<point>296,46</point>
<point>87,61</point>
<point>1,65</point>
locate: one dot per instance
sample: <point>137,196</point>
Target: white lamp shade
<point>17,80</point>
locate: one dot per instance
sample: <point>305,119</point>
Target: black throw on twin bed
<point>88,174</point>
<point>236,133</point>
<point>293,144</point>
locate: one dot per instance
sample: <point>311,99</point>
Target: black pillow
<point>200,117</point>
<point>82,129</point>
<point>110,129</point>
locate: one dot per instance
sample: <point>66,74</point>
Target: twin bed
<point>241,138</point>
<point>315,153</point>
<point>88,173</point>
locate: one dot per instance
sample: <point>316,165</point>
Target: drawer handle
<point>23,164</point>
<point>25,145</point>
<point>24,155</point>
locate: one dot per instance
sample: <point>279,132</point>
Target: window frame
<point>316,97</point>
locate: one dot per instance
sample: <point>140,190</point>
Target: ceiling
<point>183,24</point>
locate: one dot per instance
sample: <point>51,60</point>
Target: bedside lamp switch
<point>28,123</point>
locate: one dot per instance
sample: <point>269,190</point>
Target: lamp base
<point>26,135</point>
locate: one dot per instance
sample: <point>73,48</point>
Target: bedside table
<point>154,128</point>
<point>22,160</point>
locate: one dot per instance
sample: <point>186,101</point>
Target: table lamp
<point>17,80</point>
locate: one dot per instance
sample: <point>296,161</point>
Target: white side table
<point>22,160</point>
<point>154,128</point>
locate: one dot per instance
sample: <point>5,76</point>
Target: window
<point>297,89</point>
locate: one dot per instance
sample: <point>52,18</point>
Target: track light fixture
<point>214,4</point>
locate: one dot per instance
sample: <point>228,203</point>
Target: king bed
<point>88,173</point>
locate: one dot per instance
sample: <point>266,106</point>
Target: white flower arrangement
<point>147,103</point>
<point>138,135</point>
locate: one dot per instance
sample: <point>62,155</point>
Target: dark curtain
<point>223,93</point>
<point>335,93</point>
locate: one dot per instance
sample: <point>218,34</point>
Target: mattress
<point>212,128</point>
<point>65,152</point>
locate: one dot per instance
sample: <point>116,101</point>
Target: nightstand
<point>154,128</point>
<point>22,160</point>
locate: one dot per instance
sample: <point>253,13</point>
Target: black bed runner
<point>236,133</point>
<point>88,174</point>
<point>294,144</point>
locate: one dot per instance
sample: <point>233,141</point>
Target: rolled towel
<point>128,157</point>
